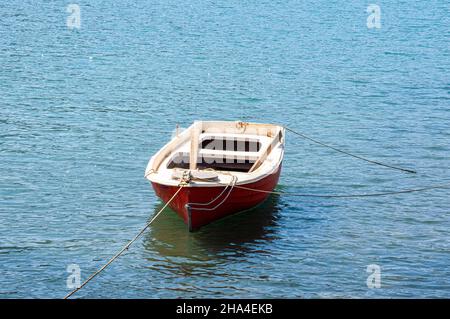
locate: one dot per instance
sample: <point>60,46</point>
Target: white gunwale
<point>267,159</point>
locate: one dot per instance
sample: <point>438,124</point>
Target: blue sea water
<point>82,110</point>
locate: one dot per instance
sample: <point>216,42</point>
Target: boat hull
<point>196,216</point>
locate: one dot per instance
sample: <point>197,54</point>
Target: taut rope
<point>126,246</point>
<point>349,154</point>
<point>349,195</point>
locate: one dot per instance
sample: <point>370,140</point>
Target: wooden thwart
<point>277,139</point>
<point>194,145</point>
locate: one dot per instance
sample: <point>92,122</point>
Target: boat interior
<point>219,146</point>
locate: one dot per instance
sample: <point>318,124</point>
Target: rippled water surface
<point>81,111</point>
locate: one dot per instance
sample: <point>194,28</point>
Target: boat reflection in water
<point>173,249</point>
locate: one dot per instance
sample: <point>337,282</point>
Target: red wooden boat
<point>224,168</point>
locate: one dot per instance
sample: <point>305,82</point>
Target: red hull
<point>238,200</point>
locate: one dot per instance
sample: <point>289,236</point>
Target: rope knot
<point>185,178</point>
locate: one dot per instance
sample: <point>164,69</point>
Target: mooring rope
<point>349,154</point>
<point>403,191</point>
<point>232,184</point>
<point>126,246</point>
<point>349,195</point>
<point>232,181</point>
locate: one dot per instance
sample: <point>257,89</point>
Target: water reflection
<point>169,243</point>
